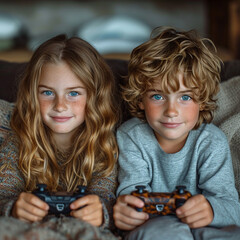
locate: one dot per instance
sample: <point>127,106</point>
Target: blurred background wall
<point>114,27</point>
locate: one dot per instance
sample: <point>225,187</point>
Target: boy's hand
<point>124,214</point>
<point>196,212</point>
<point>92,211</point>
<point>29,208</point>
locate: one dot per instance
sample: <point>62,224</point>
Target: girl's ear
<point>141,105</point>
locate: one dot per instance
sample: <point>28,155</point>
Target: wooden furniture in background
<point>224,25</point>
<point>234,28</point>
<point>223,28</point>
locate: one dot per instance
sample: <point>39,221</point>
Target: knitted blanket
<point>227,118</point>
<point>52,228</point>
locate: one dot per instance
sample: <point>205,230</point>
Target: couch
<point>227,116</point>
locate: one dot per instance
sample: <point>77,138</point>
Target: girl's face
<point>171,116</point>
<point>62,98</point>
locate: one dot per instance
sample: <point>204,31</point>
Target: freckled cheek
<point>78,106</point>
<point>153,112</point>
<point>192,113</point>
<point>44,105</point>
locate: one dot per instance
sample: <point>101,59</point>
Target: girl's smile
<point>61,119</point>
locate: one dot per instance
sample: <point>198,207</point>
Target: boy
<point>172,83</point>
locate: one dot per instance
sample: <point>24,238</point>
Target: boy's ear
<point>201,107</point>
<point>141,106</point>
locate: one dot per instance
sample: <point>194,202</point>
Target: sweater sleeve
<point>105,188</point>
<point>134,169</point>
<point>11,179</point>
<point>216,179</point>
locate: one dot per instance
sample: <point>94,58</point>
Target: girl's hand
<point>91,211</point>
<point>29,208</point>
<point>124,214</point>
<point>196,212</point>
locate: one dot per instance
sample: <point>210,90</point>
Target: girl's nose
<point>60,104</point>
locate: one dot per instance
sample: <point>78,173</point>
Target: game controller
<point>59,202</point>
<point>161,203</point>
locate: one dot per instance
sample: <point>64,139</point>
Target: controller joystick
<point>181,189</point>
<point>59,202</point>
<point>81,189</point>
<point>140,188</point>
<point>41,187</point>
<point>161,203</point>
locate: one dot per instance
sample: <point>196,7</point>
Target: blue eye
<point>73,94</point>
<point>157,97</point>
<point>48,93</point>
<point>186,98</point>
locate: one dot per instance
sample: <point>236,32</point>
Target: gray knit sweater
<point>203,165</point>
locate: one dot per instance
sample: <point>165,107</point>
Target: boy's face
<point>171,116</point>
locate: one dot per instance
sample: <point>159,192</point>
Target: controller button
<point>60,198</point>
<point>60,207</point>
<point>159,207</point>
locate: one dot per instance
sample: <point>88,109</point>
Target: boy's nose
<point>171,110</point>
<point>60,104</point>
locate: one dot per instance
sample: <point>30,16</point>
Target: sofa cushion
<point>5,115</point>
<point>10,73</point>
<point>230,69</point>
<point>227,118</point>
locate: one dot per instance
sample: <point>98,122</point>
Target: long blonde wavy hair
<point>161,58</point>
<point>94,148</point>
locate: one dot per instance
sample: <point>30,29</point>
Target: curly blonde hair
<point>162,57</point>
<point>94,146</point>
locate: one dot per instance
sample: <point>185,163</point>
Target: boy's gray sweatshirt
<point>203,165</point>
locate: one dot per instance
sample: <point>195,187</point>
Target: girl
<point>63,134</point>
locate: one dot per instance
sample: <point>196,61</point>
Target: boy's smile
<point>171,115</point>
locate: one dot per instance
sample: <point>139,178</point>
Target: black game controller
<point>161,203</point>
<point>59,202</point>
